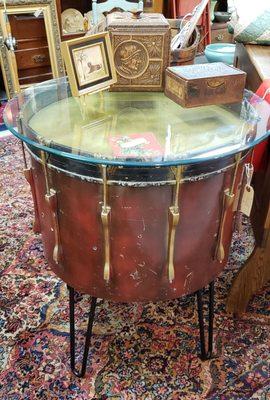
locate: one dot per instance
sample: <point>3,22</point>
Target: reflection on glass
<point>142,127</point>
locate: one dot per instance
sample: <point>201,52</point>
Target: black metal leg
<point>206,354</point>
<point>88,335</point>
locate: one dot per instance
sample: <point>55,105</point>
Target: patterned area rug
<point>145,352</point>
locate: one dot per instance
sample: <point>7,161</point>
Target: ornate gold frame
<point>84,42</point>
<point>8,61</point>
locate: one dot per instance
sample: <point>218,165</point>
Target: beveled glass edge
<point>233,149</point>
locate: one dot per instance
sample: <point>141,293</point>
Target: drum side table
<point>134,196</point>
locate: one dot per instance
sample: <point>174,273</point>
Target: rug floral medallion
<point>139,351</point>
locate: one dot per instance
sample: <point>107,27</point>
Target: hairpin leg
<point>206,354</point>
<point>88,335</point>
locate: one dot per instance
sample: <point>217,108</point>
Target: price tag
<point>248,195</point>
<point>247,200</point>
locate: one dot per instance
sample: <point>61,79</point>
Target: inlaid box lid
<point>128,20</point>
<point>199,71</point>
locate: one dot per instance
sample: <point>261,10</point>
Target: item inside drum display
<point>89,63</point>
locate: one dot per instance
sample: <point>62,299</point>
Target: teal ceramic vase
<point>220,52</point>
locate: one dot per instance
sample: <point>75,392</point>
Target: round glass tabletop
<point>133,128</point>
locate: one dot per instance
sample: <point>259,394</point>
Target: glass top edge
<point>207,155</point>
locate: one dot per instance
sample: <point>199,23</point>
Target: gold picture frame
<point>8,58</point>
<point>84,75</point>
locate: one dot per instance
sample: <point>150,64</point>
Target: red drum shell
<point>138,235</point>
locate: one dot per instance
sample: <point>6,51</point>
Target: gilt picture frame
<point>89,63</point>
<point>7,57</point>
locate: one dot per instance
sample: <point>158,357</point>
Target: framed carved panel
<point>141,50</point>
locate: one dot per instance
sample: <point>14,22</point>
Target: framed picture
<point>89,63</point>
<point>41,62</point>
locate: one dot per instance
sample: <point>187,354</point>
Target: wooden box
<point>205,84</point>
<point>141,48</point>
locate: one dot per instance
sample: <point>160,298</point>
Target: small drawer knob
<point>220,37</point>
<point>39,58</point>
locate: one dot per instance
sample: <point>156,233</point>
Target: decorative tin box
<point>141,46</point>
<point>205,84</point>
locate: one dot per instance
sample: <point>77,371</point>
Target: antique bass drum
<point>134,196</point>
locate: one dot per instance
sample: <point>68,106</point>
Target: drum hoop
<point>135,183</point>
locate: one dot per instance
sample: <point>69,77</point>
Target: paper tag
<point>247,200</point>
<point>38,12</point>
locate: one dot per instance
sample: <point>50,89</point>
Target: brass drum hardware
<point>28,173</point>
<point>51,199</point>
<point>105,214</point>
<point>174,218</point>
<point>228,200</point>
<point>45,170</point>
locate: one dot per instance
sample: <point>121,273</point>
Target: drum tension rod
<point>105,213</point>
<point>51,199</point>
<point>29,176</point>
<point>228,199</point>
<point>174,218</point>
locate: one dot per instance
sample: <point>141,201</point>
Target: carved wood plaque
<point>141,51</point>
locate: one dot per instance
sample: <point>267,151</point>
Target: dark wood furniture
<point>255,273</point>
<point>220,33</point>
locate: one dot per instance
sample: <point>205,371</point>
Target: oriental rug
<point>139,351</point>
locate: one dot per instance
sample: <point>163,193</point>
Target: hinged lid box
<point>141,48</point>
<point>205,84</point>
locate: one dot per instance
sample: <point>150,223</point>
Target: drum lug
<point>28,173</point>
<point>51,199</point>
<point>174,218</point>
<point>228,200</point>
<point>105,222</point>
<point>105,214</point>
